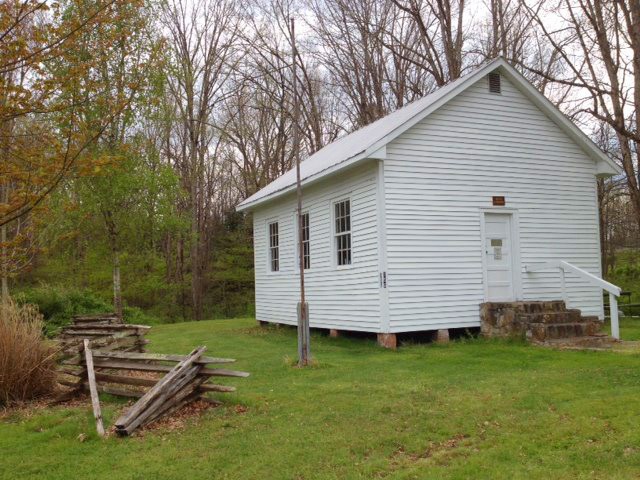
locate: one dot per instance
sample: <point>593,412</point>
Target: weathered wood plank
<point>136,414</point>
<point>126,380</point>
<point>148,367</point>
<point>118,392</point>
<point>107,343</point>
<point>210,387</point>
<point>113,328</point>
<point>185,399</point>
<point>157,357</point>
<point>221,372</point>
<point>69,383</point>
<point>74,340</point>
<point>93,316</point>
<point>99,333</point>
<point>144,382</point>
<point>175,394</point>
<point>95,400</point>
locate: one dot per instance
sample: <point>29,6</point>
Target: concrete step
<point>541,332</point>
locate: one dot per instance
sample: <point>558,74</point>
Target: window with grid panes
<point>306,247</point>
<point>342,216</point>
<point>274,250</point>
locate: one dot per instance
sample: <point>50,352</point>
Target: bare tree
<point>203,37</point>
<point>598,43</point>
<point>440,27</point>
<point>354,54</point>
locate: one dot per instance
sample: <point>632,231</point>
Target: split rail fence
<point>110,361</point>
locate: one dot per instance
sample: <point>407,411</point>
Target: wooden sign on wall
<point>499,202</point>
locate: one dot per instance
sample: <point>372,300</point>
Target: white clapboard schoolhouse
<point>480,192</point>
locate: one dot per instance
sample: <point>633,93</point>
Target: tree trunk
<point>117,292</point>
<point>196,260</point>
<point>602,212</point>
<point>115,255</point>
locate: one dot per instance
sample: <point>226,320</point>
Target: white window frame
<point>268,224</point>
<point>334,233</point>
<point>297,238</point>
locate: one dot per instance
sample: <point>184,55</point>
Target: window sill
<point>306,270</point>
<point>275,274</point>
<point>344,267</point>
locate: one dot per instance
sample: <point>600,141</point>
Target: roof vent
<point>494,82</point>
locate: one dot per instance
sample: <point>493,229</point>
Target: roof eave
<point>248,206</point>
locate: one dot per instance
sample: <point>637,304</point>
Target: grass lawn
<point>470,409</point>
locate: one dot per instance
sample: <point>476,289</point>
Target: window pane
<point>274,251</point>
<point>306,258</point>
<point>342,221</point>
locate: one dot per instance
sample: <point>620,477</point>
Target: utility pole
<point>304,350</point>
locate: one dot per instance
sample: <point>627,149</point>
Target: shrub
<point>137,316</point>
<point>59,304</point>
<point>27,360</point>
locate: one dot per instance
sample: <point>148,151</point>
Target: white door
<point>498,253</point>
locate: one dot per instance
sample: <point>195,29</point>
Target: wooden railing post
<point>614,291</point>
<point>563,287</point>
<point>613,312</point>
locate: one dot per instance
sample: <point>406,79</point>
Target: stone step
<point>542,306</point>
<point>549,306</point>
<point>566,316</point>
<point>597,342</point>
<point>541,332</point>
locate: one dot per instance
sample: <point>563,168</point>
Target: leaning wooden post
<point>95,400</point>
<point>613,312</point>
<point>304,350</point>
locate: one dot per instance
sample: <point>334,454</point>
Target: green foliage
<point>231,287</point>
<point>138,316</point>
<point>466,410</point>
<point>626,275</point>
<point>628,271</point>
<point>58,304</point>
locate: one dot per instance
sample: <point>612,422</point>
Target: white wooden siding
<point>345,297</point>
<point>439,174</point>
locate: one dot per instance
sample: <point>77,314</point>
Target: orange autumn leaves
<point>58,99</point>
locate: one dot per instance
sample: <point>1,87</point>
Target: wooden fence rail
<point>100,354</point>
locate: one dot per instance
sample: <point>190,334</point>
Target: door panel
<point>498,252</point>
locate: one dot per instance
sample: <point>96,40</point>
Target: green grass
<point>471,409</point>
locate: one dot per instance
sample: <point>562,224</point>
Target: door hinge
<point>383,279</point>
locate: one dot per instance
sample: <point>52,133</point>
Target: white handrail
<point>614,291</point>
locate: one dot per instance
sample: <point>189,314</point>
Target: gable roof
<point>369,141</point>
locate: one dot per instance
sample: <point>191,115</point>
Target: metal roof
<point>365,142</point>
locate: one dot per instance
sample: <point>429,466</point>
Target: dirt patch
<point>29,408</point>
<point>187,415</point>
<point>435,451</point>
